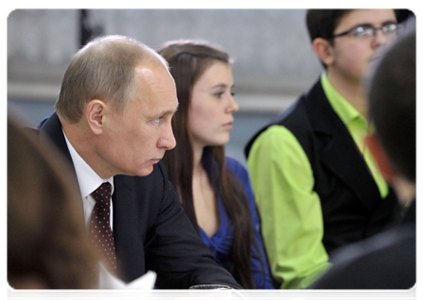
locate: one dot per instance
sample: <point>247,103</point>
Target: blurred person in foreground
<point>317,185</point>
<point>387,260</point>
<point>47,247</point>
<point>214,188</point>
<point>113,123</point>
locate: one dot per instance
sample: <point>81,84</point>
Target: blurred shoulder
<point>388,260</point>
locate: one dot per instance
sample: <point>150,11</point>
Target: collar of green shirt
<point>346,112</point>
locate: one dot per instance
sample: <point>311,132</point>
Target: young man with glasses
<point>388,259</point>
<point>317,186</point>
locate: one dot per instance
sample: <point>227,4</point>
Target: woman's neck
<point>204,196</point>
<point>198,155</point>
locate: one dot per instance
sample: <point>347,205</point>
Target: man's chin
<point>145,171</point>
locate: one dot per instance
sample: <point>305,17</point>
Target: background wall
<point>274,62</point>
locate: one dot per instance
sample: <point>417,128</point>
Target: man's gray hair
<point>103,69</point>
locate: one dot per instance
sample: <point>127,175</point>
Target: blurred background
<point>274,61</point>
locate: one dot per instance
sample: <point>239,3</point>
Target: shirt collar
<point>88,179</point>
<point>340,105</point>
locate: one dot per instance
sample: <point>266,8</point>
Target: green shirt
<point>291,215</point>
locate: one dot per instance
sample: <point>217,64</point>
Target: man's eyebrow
<point>169,111</point>
<point>364,25</point>
<point>389,22</point>
<point>371,25</point>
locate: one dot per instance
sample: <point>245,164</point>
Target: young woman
<point>214,190</point>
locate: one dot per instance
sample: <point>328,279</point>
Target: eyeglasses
<point>370,31</point>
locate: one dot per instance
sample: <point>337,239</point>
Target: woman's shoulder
<point>239,170</point>
<point>235,165</point>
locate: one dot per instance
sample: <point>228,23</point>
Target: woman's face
<point>212,105</point>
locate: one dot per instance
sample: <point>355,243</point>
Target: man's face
<point>352,55</point>
<point>135,140</point>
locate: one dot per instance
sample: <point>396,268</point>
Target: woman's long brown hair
<point>187,61</point>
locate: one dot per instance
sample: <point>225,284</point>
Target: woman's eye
<point>219,95</point>
<point>157,121</point>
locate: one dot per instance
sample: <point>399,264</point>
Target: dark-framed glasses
<point>370,31</point>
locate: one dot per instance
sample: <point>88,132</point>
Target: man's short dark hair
<point>322,22</point>
<point>392,105</point>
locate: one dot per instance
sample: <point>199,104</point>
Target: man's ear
<point>324,51</point>
<point>95,112</point>
<point>381,158</point>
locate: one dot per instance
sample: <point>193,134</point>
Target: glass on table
<point>215,291</point>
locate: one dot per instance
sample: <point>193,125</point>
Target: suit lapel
<point>339,152</point>
<point>127,230</point>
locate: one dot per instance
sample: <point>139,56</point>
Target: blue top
<point>221,242</point>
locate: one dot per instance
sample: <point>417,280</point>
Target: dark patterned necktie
<point>100,231</point>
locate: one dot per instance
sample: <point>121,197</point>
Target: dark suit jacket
<point>351,203</point>
<point>385,261</point>
<point>150,228</point>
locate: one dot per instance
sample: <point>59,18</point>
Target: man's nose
<point>167,140</point>
<point>380,39</point>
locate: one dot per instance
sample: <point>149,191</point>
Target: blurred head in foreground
<point>392,109</point>
<point>47,254</point>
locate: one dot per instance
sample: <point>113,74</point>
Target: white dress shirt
<point>88,181</point>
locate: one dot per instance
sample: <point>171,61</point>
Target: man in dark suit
<point>387,260</point>
<point>113,123</point>
<point>317,185</point>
